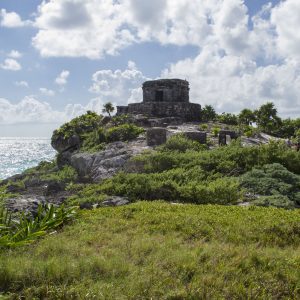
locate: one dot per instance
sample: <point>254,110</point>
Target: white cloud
<point>118,86</point>
<point>47,92</point>
<point>242,61</point>
<point>14,54</point>
<point>11,65</point>
<point>12,19</point>
<point>286,19</point>
<point>231,83</point>
<point>74,28</point>
<point>94,28</point>
<point>32,110</point>
<point>62,78</point>
<point>28,110</point>
<point>22,83</point>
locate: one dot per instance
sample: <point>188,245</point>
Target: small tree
<point>108,108</point>
<point>208,113</point>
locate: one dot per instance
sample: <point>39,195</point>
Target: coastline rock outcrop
<point>96,167</point>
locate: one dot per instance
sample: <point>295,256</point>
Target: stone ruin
<point>165,98</point>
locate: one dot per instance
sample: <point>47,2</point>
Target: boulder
<point>13,178</point>
<point>105,164</point>
<point>82,163</point>
<point>109,202</point>
<point>115,201</point>
<point>63,159</point>
<point>15,188</point>
<point>156,136</point>
<point>62,144</point>
<point>54,187</point>
<point>26,203</point>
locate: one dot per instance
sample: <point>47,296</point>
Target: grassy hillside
<point>162,251</point>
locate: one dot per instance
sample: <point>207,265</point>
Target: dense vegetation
<point>185,171</point>
<point>266,118</point>
<point>95,131</point>
<point>158,250</point>
<point>162,251</point>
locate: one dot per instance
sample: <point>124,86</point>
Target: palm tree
<point>108,108</point>
<point>246,117</point>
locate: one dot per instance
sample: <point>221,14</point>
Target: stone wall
<point>166,90</point>
<point>122,110</point>
<point>186,111</point>
<point>165,98</point>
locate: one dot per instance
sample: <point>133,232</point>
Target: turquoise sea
<point>18,154</point>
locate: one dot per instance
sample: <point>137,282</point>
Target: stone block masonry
<point>164,98</point>
<point>156,136</point>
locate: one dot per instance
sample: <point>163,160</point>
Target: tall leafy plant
<point>23,229</point>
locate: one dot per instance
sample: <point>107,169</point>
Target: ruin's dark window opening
<point>159,96</point>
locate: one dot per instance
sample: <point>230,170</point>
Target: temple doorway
<point>159,96</point>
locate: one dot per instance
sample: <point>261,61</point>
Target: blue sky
<point>60,58</point>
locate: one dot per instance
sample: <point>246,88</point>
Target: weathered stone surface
<point>15,188</point>
<point>156,136</point>
<point>63,159</point>
<point>232,134</point>
<point>164,98</point>
<point>61,144</point>
<point>13,178</point>
<point>26,203</point>
<point>166,90</point>
<point>198,136</point>
<point>115,201</point>
<point>102,165</point>
<point>54,187</point>
<point>110,201</point>
<point>185,111</point>
<point>82,162</point>
<point>222,137</point>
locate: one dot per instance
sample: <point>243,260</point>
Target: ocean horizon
<point>20,153</point>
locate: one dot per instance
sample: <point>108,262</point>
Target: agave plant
<point>25,229</point>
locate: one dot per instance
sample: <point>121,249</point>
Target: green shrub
<point>125,132</point>
<point>24,229</point>
<point>80,125</point>
<point>273,180</point>
<point>203,127</point>
<point>228,118</point>
<point>216,131</point>
<point>231,160</point>
<point>279,201</point>
<point>180,143</point>
<point>90,193</point>
<point>42,167</point>
<point>174,185</point>
<point>66,174</point>
<point>94,141</point>
<point>4,195</point>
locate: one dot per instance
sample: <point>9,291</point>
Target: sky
<point>59,58</point>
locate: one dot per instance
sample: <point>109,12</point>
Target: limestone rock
<point>156,136</point>
<point>54,187</point>
<point>26,203</point>
<point>105,164</point>
<point>115,201</point>
<point>61,144</point>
